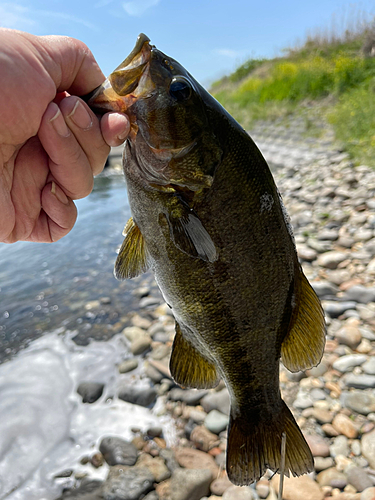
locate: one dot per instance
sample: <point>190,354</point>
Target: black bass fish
<point>208,220</point>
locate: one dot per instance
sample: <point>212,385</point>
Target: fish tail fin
<point>254,445</point>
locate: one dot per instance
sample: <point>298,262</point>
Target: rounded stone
<point>195,459</point>
<point>358,478</point>
<point>190,484</point>
<point>138,396</point>
<point>345,426</point>
<point>368,447</point>
<point>239,493</point>
<point>140,345</point>
<point>339,447</point>
<point>297,488</point>
<point>128,365</point>
<point>349,335</point>
<point>220,485</point>
<point>127,482</point>
<point>361,402</point>
<point>117,451</point>
<point>90,391</point>
<point>332,477</point>
<point>318,445</point>
<point>216,421</point>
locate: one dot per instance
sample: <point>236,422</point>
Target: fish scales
<point>208,220</point>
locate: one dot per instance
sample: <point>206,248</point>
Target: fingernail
<point>58,123</point>
<point>59,193</point>
<point>80,116</point>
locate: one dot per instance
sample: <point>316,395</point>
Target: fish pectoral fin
<point>133,258</point>
<point>254,445</point>
<point>303,345</point>
<point>190,236</point>
<point>188,367</point>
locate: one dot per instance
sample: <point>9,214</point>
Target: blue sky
<point>209,37</point>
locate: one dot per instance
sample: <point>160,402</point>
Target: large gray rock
<point>138,396</point>
<point>127,483</point>
<point>359,381</point>
<point>348,362</point>
<point>361,294</point>
<point>361,402</point>
<point>190,484</point>
<point>117,451</point>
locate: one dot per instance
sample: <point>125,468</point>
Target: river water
<point>44,286</point>
<point>51,340</point>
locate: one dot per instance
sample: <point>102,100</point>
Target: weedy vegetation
<point>332,71</point>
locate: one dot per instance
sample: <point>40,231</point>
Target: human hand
<point>51,143</point>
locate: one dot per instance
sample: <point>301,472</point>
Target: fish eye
<point>180,89</point>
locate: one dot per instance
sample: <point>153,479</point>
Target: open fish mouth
<point>128,82</point>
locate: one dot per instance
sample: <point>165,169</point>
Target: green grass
<point>334,72</point>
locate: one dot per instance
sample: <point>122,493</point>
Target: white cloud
<point>138,7</point>
<point>233,54</point>
<point>19,17</point>
<point>15,16</point>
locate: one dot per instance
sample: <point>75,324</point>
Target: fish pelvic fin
<point>133,256</point>
<point>188,367</point>
<point>254,445</point>
<point>304,343</point>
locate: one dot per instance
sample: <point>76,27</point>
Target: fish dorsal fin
<point>188,367</point>
<point>303,345</point>
<point>132,259</point>
<point>189,234</point>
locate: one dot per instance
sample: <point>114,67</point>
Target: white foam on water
<point>44,426</point>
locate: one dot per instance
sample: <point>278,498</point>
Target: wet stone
<point>239,493</point>
<point>140,345</point>
<point>138,396</point>
<point>203,439</point>
<point>127,483</point>
<point>88,490</point>
<point>90,391</point>
<point>117,451</point>
<point>155,465</point>
<point>128,365</point>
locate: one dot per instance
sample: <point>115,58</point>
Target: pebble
<point>138,396</point>
<point>368,447</point>
<point>239,493</point>
<point>345,426</point>
<point>217,401</point>
<point>349,335</point>
<point>324,288</point>
<point>339,447</point>
<point>368,494</point>
<point>220,485</point>
<point>190,484</point>
<point>318,445</point>
<point>361,294</point>
<point>358,478</point>
<point>190,397</point>
<point>128,365</point>
<point>359,381</point>
<point>336,309</point>
<point>348,362</point>
<point>369,366</point>
<point>332,477</point>
<point>156,465</point>
<point>117,451</point>
<point>195,459</point>
<point>88,490</point>
<point>297,488</point>
<point>127,483</point>
<point>331,259</point>
<point>203,439</point>
<point>216,421</point>
<point>90,391</point>
<point>134,332</point>
<point>140,345</point>
<point>359,401</point>
<point>323,463</point>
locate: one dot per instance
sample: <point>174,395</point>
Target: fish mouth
<point>129,81</point>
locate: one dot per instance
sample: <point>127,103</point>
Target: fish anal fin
<point>303,345</point>
<point>188,367</point>
<point>254,445</point>
<point>132,259</point>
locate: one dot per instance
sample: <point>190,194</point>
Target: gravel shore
<point>332,208</point>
